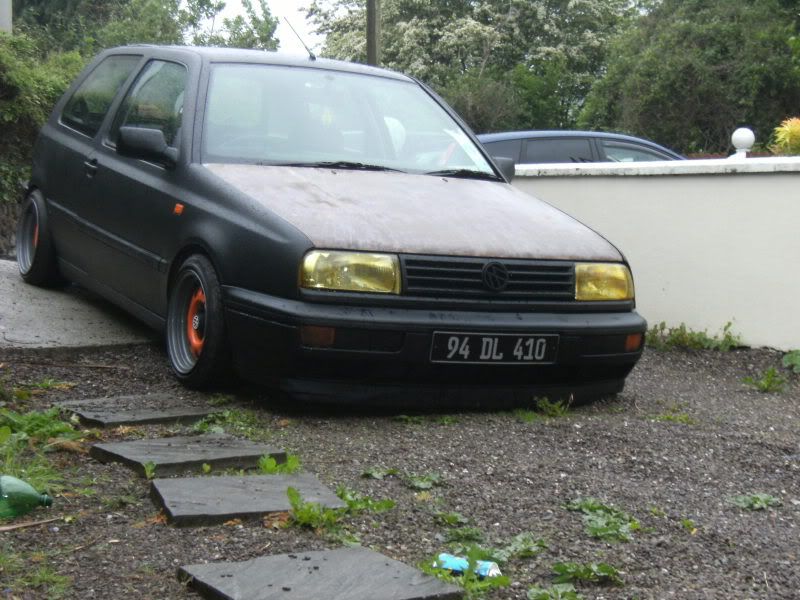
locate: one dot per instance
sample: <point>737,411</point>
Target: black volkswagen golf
<point>331,229</point>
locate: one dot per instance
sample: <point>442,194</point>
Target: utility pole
<point>373,32</point>
<point>5,16</point>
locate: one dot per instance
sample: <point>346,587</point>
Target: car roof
<point>211,54</point>
<point>503,136</point>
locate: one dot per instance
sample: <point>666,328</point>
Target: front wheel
<point>36,256</point>
<point>196,339</point>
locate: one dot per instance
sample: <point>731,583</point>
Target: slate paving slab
<point>174,455</point>
<point>343,574</point>
<point>135,410</point>
<point>210,500</point>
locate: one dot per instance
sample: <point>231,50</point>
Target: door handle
<point>90,168</point>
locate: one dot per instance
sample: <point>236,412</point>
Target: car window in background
<point>88,106</point>
<point>275,114</point>
<point>507,148</point>
<point>557,150</point>
<point>156,100</point>
<point>622,152</point>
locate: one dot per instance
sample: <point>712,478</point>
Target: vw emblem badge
<point>495,276</point>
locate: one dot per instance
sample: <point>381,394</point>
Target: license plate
<point>494,348</point>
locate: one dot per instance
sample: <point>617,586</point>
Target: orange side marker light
<point>178,210</point>
<point>633,342</point>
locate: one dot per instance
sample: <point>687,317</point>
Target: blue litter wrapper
<point>457,565</point>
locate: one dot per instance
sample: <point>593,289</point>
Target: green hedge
<point>30,84</point>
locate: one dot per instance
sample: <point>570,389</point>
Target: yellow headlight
<point>351,272</point>
<point>603,281</point>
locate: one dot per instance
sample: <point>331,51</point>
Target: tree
<point>690,71</point>
<point>508,46</point>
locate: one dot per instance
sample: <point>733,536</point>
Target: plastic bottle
<point>18,497</point>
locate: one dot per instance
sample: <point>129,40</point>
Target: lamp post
<point>5,16</point>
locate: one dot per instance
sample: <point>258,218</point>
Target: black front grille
<point>454,277</point>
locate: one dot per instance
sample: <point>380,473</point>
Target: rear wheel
<point>196,343</point>
<point>36,256</point>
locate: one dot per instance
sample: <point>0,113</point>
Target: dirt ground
<point>684,437</point>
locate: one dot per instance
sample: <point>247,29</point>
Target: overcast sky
<point>280,9</point>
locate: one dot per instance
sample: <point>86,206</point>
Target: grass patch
<point>358,503</point>
<point>603,521</point>
<point>329,521</point>
<point>661,337</point>
<point>768,382</point>
<point>30,576</point>
<point>755,501</point>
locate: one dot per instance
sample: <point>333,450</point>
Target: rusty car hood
<point>419,214</point>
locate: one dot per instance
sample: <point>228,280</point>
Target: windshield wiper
<point>465,174</point>
<point>340,164</point>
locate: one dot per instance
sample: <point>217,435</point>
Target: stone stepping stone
<point>344,574</point>
<point>129,410</point>
<point>210,500</point>
<point>178,454</point>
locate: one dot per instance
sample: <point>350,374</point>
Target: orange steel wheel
<point>195,321</point>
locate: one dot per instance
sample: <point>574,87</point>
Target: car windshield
<point>270,114</point>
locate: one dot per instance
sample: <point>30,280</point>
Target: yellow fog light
<point>351,272</point>
<point>603,281</point>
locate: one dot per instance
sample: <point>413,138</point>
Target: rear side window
<point>88,106</point>
<point>621,152</point>
<point>155,101</point>
<point>506,148</point>
<point>562,150</point>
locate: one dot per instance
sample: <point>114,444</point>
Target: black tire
<point>196,338</point>
<point>36,255</point>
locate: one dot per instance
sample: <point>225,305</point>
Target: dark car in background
<point>532,147</point>
<point>327,228</point>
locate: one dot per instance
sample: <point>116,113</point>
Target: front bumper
<point>383,353</point>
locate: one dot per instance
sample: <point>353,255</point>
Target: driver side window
<point>156,101</point>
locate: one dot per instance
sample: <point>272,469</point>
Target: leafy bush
<point>30,84</point>
<point>787,137</point>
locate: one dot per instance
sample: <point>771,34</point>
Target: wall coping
<point>715,166</point>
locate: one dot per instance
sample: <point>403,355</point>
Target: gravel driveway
<point>685,436</point>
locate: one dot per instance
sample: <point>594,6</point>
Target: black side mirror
<point>506,165</point>
<point>146,144</point>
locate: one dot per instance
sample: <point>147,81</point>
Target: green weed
<point>446,420</point>
<point>464,534</point>
<point>755,501</point>
<point>689,526</point>
<point>205,468</point>
<point>379,473</point>
<point>559,591</point>
<point>358,503</point>
<point>602,573</point>
<point>657,512</point>
<point>38,426</point>
<point>220,399</point>
<point>474,586</point>
<point>450,519</point>
<point>791,360</point>
<point>552,410</point>
<point>409,419</point>
<point>267,465</point>
<point>423,482</point>
<point>149,469</point>
<point>769,381</point>
<point>675,417</point>
<point>603,521</point>
<point>527,416</point>
<point>661,337</point>
<point>524,545</point>
<point>313,515</point>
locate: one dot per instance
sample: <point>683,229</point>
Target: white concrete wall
<point>708,241</point>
